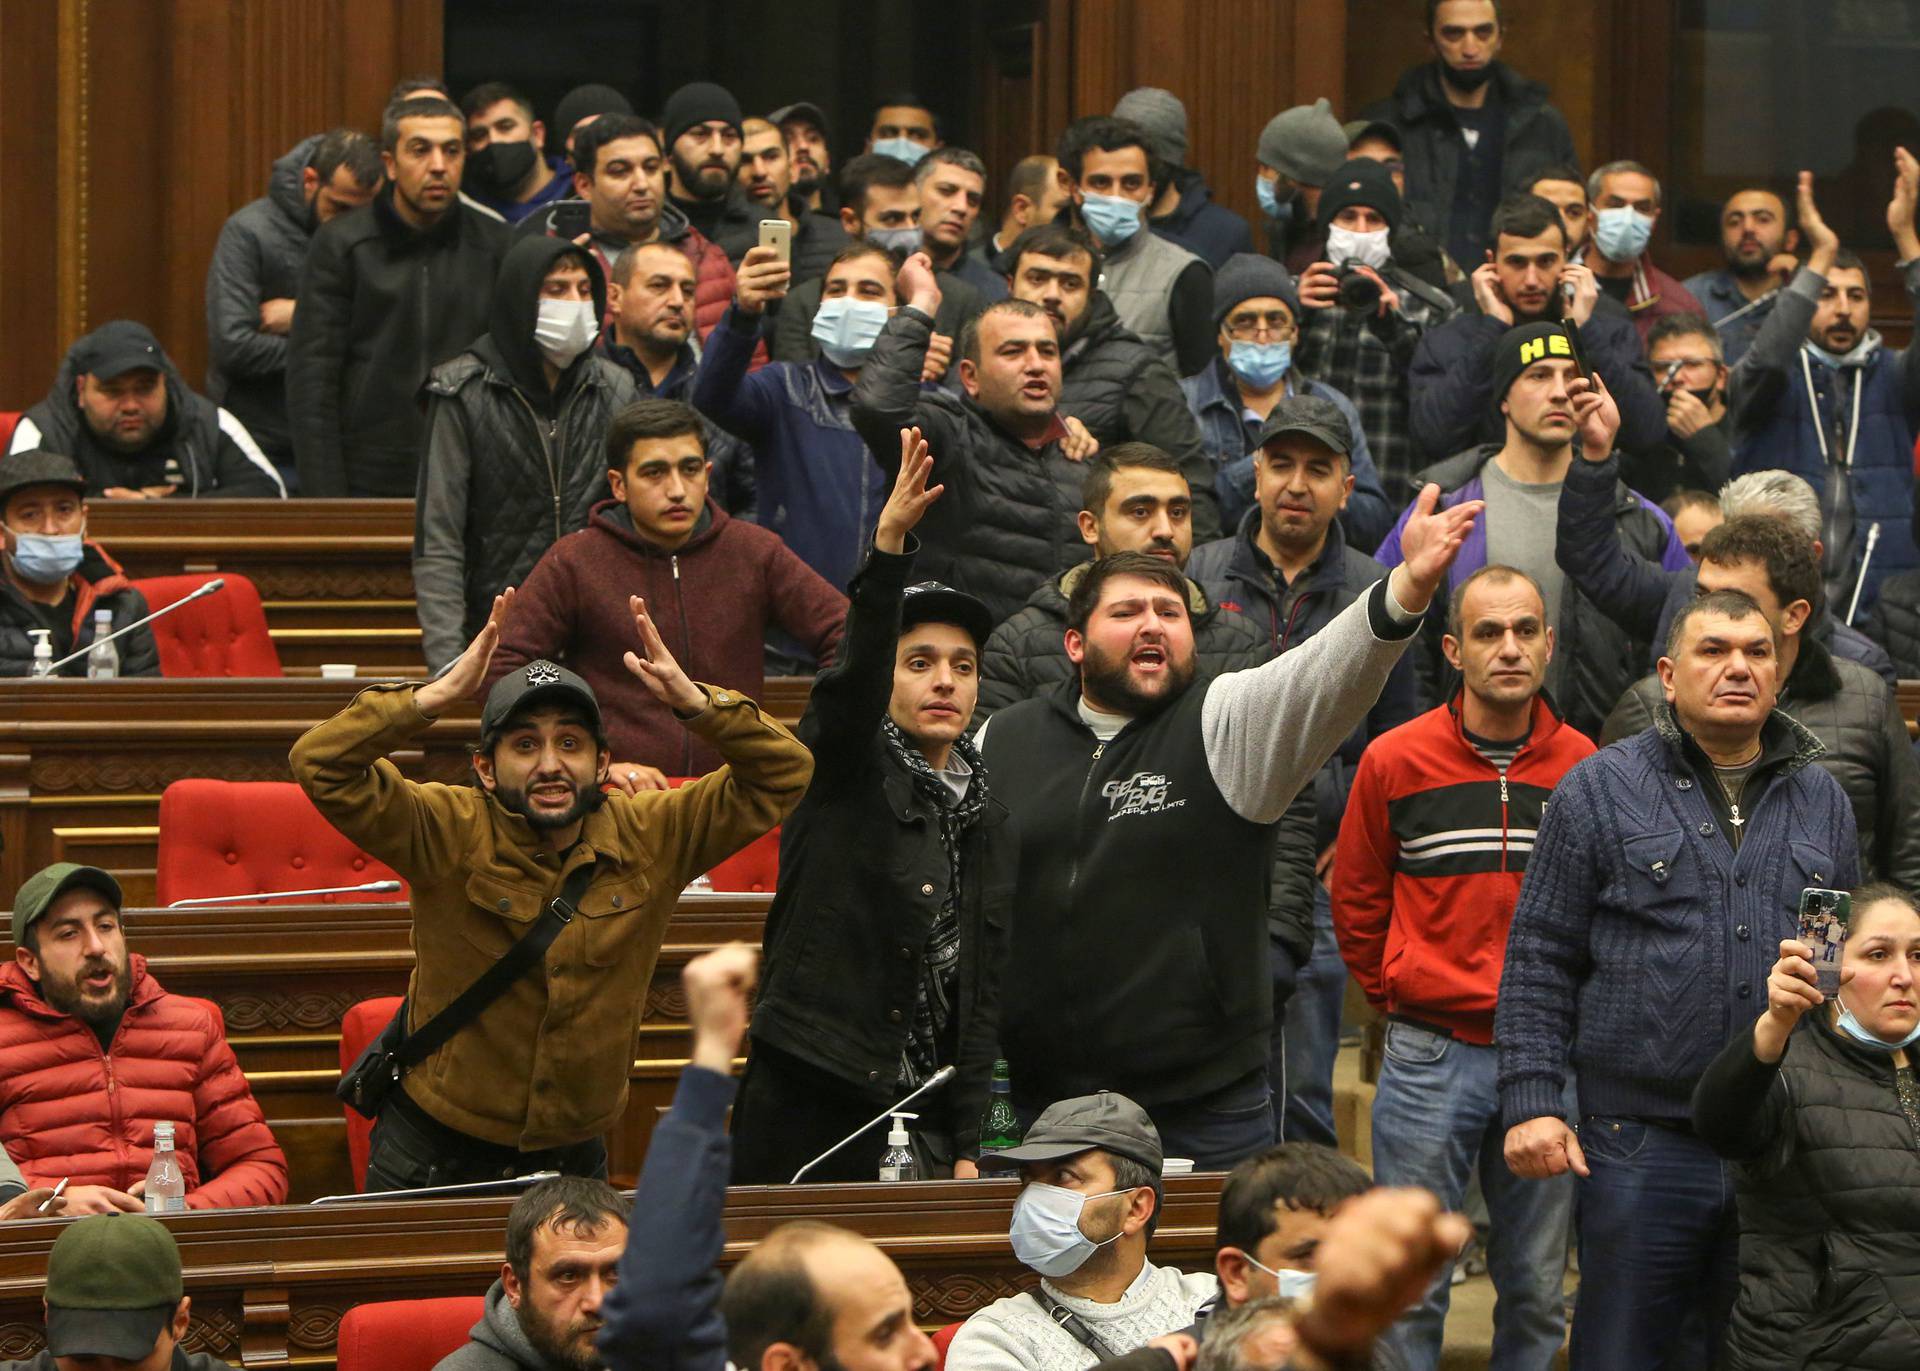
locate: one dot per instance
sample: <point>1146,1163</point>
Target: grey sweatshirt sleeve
<point>440,534</point>
<point>12,1183</point>
<point>1268,730</point>
<point>1761,377</point>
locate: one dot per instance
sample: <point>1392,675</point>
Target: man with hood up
<point>255,275</point>
<point>120,409</point>
<point>514,428</point>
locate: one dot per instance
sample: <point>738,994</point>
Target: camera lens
<point>1358,292</point>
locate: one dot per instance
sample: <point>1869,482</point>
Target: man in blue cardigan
<point>1667,870</point>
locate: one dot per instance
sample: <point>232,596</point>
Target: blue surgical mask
<point>845,329</point>
<point>1260,365</point>
<point>1267,193</point>
<point>901,150</point>
<point>1046,1232</point>
<point>1855,356</point>
<point>1293,1285</point>
<point>1858,1031</point>
<point>1621,233</point>
<point>898,241</point>
<point>1113,219</point>
<point>46,558</point>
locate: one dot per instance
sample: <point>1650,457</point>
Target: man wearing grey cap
<point>55,578</point>
<point>1299,151</point>
<point>1184,212</point>
<point>1090,1196</point>
<point>120,408</point>
<point>536,1079</point>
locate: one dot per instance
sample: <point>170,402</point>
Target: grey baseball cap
<point>1316,417</point>
<point>1113,1123</point>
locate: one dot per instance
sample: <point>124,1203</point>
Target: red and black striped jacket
<point>1432,850</point>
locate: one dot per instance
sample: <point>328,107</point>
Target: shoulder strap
<point>1072,1324</point>
<point>465,1007</point>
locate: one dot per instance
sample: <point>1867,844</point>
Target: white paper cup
<point>337,671</point>
<point>1176,1166</point>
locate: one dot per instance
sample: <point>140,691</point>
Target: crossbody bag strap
<point>1074,1326</point>
<point>465,1007</point>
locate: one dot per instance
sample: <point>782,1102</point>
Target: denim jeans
<point>1659,1244</point>
<point>1220,1129</point>
<point>410,1148</point>
<point>1309,1037</point>
<point>1436,1112</point>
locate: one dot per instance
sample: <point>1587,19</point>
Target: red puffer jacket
<point>69,1109</point>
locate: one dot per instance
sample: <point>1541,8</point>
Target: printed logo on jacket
<point>1144,792</point>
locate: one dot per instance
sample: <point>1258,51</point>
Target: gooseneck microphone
<point>938,1078</point>
<point>217,583</point>
<point>369,888</point>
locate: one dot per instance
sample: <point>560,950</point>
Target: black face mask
<point>498,169</point>
<point>1708,397</point>
<point>1466,80</point>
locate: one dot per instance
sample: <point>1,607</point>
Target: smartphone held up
<point>1824,916</point>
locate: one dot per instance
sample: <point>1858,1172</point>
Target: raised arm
<point>886,398</point>
<point>1906,246</point>
<point>1625,587</point>
<point>1761,377</point>
<point>664,1312</point>
<point>722,389</point>
<point>1267,731</point>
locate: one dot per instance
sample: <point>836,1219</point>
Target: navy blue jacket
<point>664,1315</point>
<point>1642,939</point>
<point>817,487</point>
<point>1209,230</point>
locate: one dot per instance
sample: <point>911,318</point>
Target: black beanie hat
<point>1519,348</point>
<point>578,104</point>
<point>1362,181</point>
<point>696,103</point>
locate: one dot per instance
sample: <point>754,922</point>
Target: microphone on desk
<point>938,1078</point>
<point>217,583</point>
<point>369,888</point>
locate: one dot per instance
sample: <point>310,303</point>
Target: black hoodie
<point>511,463</point>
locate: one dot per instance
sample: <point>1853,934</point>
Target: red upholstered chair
<point>942,1340</point>
<point>224,634</point>
<point>243,837</point>
<point>360,1025</point>
<point>755,867</point>
<point>406,1335</point>
<point>9,421</point>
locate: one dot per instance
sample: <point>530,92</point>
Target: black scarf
<point>940,966</point>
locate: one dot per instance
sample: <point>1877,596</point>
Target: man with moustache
<point>94,1053</point>
<point>765,178</point>
<point>953,185</point>
<point>534,1082</point>
<point>1755,235</point>
<point>701,128</point>
<point>1134,759</point>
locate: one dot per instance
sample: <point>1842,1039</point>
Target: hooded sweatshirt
<point>511,463</point>
<point>200,449</point>
<point>498,1343</point>
<point>258,258</point>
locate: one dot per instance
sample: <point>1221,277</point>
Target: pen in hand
<point>48,1201</point>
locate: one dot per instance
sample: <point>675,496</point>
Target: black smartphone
<point>1572,330</point>
<point>570,219</point>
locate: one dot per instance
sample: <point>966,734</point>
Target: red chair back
<point>224,634</point>
<point>243,837</point>
<point>406,1335</point>
<point>360,1025</point>
<point>755,867</point>
<point>942,1340</point>
<point>9,421</point>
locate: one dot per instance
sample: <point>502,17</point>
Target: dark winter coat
<point>258,257</point>
<point>1894,622</point>
<point>1827,1180</point>
<point>380,306</point>
<point>1201,225</point>
<point>511,464</point>
<point>864,875</point>
<point>201,450</point>
<point>1009,518</point>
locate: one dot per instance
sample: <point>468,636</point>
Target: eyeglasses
<point>1246,327</point>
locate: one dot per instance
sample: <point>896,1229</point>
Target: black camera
<point>1358,291</point>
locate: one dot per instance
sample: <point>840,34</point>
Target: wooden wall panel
<point>131,129</point>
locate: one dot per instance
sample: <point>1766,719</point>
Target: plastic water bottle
<point>42,652</point>
<point>166,1191</point>
<point>103,659</point>
<point>999,1127</point>
<point>896,1163</point>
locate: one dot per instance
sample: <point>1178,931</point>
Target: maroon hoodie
<point>713,601</point>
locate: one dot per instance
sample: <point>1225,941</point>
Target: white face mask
<point>564,329</point>
<point>1349,245</point>
<point>1290,1284</point>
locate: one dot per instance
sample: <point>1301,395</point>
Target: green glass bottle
<point>999,1128</point>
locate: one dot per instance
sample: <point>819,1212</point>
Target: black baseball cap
<point>1109,1121</point>
<point>38,467</point>
<point>931,602</point>
<point>116,348</point>
<point>1315,416</point>
<point>113,1283</point>
<point>536,683</point>
<point>801,109</point>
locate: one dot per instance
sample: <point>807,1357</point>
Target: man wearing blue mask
<point>904,129</point>
<point>1089,1198</point>
<point>1162,292</point>
<point>1625,197</point>
<point>817,487</point>
<point>55,579</point>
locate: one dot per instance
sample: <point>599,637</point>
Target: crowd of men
<point>1420,588</point>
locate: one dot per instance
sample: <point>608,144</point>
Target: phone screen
<point>1824,916</point>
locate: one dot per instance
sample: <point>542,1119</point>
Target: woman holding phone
<point>1821,1111</point>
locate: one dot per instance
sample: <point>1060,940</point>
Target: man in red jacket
<point>94,1053</point>
<point>1432,850</point>
<point>713,584</point>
